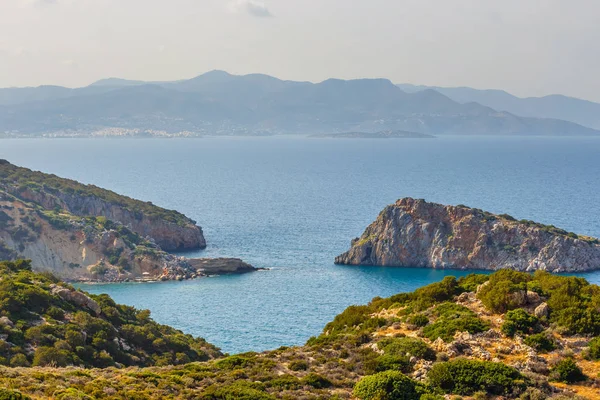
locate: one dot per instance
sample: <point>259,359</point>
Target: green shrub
<point>389,385</point>
<point>427,296</point>
<point>19,360</point>
<point>541,342</point>
<point>419,320</point>
<point>49,356</point>
<point>387,362</point>
<point>7,394</point>
<point>298,365</point>
<point>317,381</point>
<point>496,295</point>
<point>403,346</point>
<point>453,318</point>
<point>71,394</point>
<point>519,321</point>
<point>465,377</point>
<point>567,370</point>
<point>470,282</point>
<point>56,313</point>
<point>240,390</point>
<point>594,348</point>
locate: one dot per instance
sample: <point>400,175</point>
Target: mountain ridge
<point>557,106</point>
<point>221,103</point>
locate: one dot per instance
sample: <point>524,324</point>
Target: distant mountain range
<point>556,106</point>
<point>220,103</point>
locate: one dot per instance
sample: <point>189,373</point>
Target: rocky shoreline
<point>188,268</point>
<point>415,233</point>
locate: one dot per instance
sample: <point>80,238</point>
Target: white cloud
<point>252,7</point>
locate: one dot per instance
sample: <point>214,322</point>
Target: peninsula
<point>85,233</point>
<point>415,233</point>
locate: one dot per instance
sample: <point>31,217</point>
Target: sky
<point>527,47</point>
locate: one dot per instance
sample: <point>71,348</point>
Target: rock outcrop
<point>220,266</point>
<point>414,233</point>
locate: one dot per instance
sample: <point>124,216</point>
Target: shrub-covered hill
<point>508,335</point>
<point>44,322</point>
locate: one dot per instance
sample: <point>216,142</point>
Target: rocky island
<point>85,233</point>
<point>415,233</point>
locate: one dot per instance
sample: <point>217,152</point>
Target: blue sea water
<point>292,204</point>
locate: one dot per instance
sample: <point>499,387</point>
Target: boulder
<point>542,311</point>
<point>6,321</point>
<point>77,298</point>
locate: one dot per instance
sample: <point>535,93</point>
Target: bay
<point>292,204</point>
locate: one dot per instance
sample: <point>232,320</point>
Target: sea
<point>291,204</point>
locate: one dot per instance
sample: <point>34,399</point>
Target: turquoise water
<point>293,204</point>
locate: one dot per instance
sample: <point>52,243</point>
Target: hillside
<point>45,322</point>
<point>508,335</point>
<point>221,103</point>
<point>415,233</point>
<point>583,112</point>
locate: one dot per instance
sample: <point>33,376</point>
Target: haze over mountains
<point>221,103</point>
<point>571,109</point>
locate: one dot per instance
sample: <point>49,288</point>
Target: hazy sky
<point>528,47</point>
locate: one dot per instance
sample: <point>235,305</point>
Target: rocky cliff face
<point>414,233</point>
<point>169,229</point>
<point>83,249</point>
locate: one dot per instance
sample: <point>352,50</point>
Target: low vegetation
<point>17,180</point>
<point>475,337</point>
<point>45,322</point>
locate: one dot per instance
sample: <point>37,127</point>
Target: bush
<point>594,348</point>
<point>55,313</point>
<point>541,342</point>
<point>496,295</point>
<point>388,362</point>
<point>519,321</point>
<point>419,320</point>
<point>567,370</point>
<point>427,296</point>
<point>404,346</point>
<point>237,391</point>
<point>317,381</point>
<point>49,356</point>
<point>19,360</point>
<point>465,377</point>
<point>389,385</point>
<point>7,394</point>
<point>298,365</point>
<point>453,318</point>
<point>470,282</point>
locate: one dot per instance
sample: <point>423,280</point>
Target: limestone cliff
<point>169,229</point>
<point>75,248</point>
<point>414,233</point>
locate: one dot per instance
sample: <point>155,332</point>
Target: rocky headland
<point>85,233</point>
<point>415,233</point>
